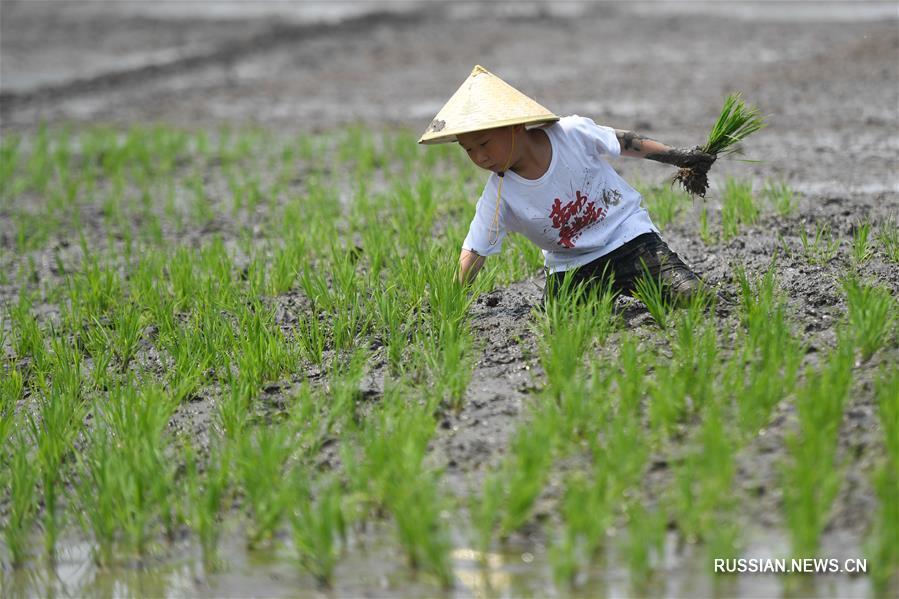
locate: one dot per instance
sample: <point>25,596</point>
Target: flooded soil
<point>827,81</point>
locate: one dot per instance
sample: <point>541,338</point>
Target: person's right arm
<point>469,265</point>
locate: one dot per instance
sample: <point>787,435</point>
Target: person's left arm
<point>638,146</point>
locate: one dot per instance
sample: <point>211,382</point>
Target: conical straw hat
<point>483,101</point>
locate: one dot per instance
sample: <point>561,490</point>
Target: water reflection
<point>377,568</point>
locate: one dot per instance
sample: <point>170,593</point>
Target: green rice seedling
<point>696,346</point>
<point>318,524</point>
<point>765,364</point>
<point>645,543</point>
<point>285,262</point>
<point>185,345</point>
<point>703,501</point>
<point>262,352</point>
<point>350,324</point>
<point>811,475</point>
<point>872,312</point>
<point>881,544</point>
<point>485,510</point>
<point>233,406</point>
<point>261,463</point>
<point>738,208</point>
<point>862,246</point>
<point>444,354</point>
<point>315,286</point>
<point>823,248</point>
<point>392,476</point>
<point>664,203</point>
<point>309,335</point>
<point>705,232</point>
<point>95,289</point>
<point>418,509</point>
<point>571,318</point>
<point>888,236</point>
<point>735,122</point>
<point>343,387</point>
<point>668,399</point>
<point>630,376</point>
<point>53,430</point>
<point>128,326</point>
<point>448,301</point>
<point>390,316</point>
<point>781,197</point>
<point>133,445</point>
<point>12,387</point>
<point>587,512</point>
<point>524,261</point>
<point>101,477</point>
<point>651,292</point>
<point>22,506</point>
<point>9,160</point>
<point>28,338</point>
<point>206,496</point>
<point>525,472</point>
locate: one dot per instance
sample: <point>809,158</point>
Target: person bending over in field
<point>550,183</point>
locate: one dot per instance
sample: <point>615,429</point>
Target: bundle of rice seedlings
<point>735,123</point>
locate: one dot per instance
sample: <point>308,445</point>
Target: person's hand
<point>698,160</point>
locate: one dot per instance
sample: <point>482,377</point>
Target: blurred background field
<point>232,363</point>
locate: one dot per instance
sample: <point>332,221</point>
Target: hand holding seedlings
<point>735,122</point>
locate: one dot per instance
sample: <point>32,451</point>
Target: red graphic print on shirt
<point>573,217</point>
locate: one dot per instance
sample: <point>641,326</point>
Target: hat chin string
<point>494,227</point>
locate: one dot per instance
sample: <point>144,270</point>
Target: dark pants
<point>646,253</point>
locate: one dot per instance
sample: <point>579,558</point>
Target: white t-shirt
<point>579,210</point>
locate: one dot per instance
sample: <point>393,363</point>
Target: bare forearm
<point>469,265</point>
<point>639,146</point>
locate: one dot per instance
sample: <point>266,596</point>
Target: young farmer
<point>551,183</point>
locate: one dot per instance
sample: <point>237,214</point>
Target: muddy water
<point>374,567</point>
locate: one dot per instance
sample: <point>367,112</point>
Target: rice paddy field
<point>234,360</point>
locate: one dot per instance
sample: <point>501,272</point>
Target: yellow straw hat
<point>483,101</point>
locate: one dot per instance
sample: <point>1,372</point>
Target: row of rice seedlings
<point>22,506</point>
<point>161,297</point>
<point>881,547</point>
<point>318,525</point>
<point>822,248</point>
<point>391,474</point>
<point>872,313</point>
<point>684,385</point>
<point>591,505</point>
<point>53,428</point>
<point>738,207</point>
<point>766,361</point>
<point>703,493</point>
<point>125,480</point>
<point>206,495</point>
<point>811,474</point>
<point>261,464</point>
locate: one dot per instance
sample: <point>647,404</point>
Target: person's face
<point>490,148</point>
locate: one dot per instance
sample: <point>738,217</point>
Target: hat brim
<point>450,135</point>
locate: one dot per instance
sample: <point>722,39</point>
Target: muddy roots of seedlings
<point>695,182</point>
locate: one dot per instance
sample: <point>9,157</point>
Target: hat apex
<point>483,101</point>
